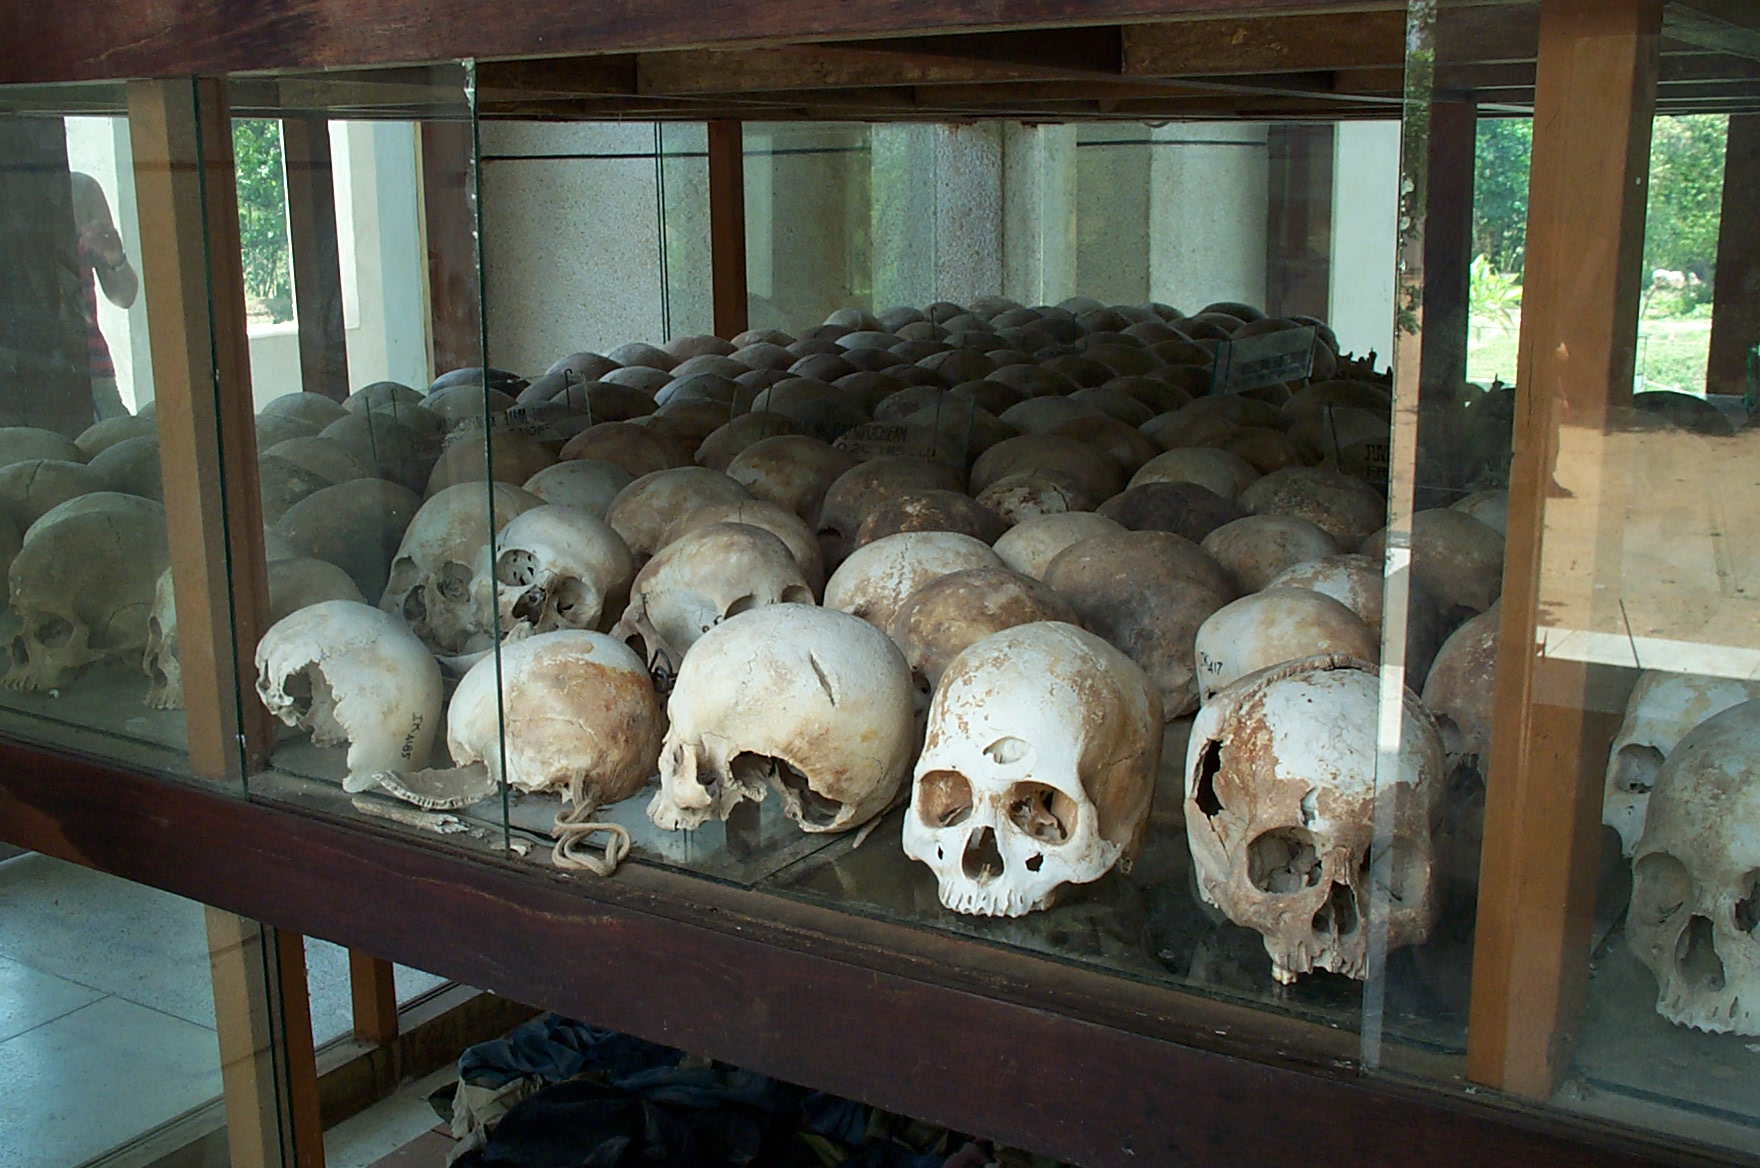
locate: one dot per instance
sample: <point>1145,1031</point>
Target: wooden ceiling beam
<point>811,67</point>
<point>1723,26</point>
<point>1190,48</point>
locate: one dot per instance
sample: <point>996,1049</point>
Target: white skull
<point>1221,471</point>
<point>1347,509</point>
<point>575,714</point>
<point>585,484</point>
<point>878,576</point>
<point>1662,709</point>
<point>700,580</point>
<point>351,673</point>
<point>1695,912</point>
<point>1459,694</point>
<point>558,568</point>
<point>441,583</point>
<point>159,662</point>
<point>1274,626</point>
<point>1354,581</point>
<point>294,583</point>
<point>1037,770</point>
<point>643,511</point>
<point>784,525</point>
<point>1030,545</point>
<point>812,702</point>
<point>1280,813</point>
<point>83,586</point>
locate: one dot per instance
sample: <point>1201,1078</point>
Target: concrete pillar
<point>379,239</point>
<point>937,213</point>
<point>1207,214</point>
<point>808,222</point>
<point>1113,167</point>
<point>1365,236</point>
<point>1039,212</point>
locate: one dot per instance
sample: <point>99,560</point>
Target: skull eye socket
<point>797,594</point>
<point>1045,813</point>
<point>1661,886</point>
<point>516,568</point>
<point>944,799</point>
<point>1748,908</point>
<point>455,581</point>
<point>573,604</point>
<point>404,575</point>
<point>54,632</point>
<point>1283,861</point>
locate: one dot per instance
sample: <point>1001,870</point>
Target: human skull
<point>1270,627</point>
<point>558,568</point>
<point>1347,509</point>
<point>1662,709</point>
<point>1220,471</point>
<point>814,703</point>
<point>644,510</point>
<point>877,577</point>
<point>585,484</point>
<point>1456,558</point>
<point>931,511</point>
<point>858,491</point>
<point>83,585</point>
<point>1280,814</point>
<point>784,525</point>
<point>160,663</point>
<point>1037,770</point>
<point>1696,877</point>
<point>350,673</point>
<point>1256,550</point>
<point>790,470</point>
<point>700,580</point>
<point>1145,592</point>
<point>30,489</point>
<point>1030,545</point>
<point>1030,494</point>
<point>358,526</point>
<point>442,582</point>
<point>938,620</point>
<point>568,711</point>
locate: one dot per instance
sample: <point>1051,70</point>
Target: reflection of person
<point>100,255</point>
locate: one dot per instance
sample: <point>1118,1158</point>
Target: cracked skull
<point>1280,813</point>
<point>352,674</point>
<point>813,703</point>
<point>558,568</point>
<point>1037,770</point>
<point>1695,911</point>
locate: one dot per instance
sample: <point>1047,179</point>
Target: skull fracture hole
<point>1204,794</point>
<point>944,799</point>
<point>516,568</point>
<point>983,859</point>
<point>1696,956</point>
<point>1748,908</point>
<point>1283,861</point>
<point>1045,813</point>
<point>1635,768</point>
<point>749,769</point>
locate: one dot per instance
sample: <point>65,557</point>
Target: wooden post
<point>727,226</point>
<point>1298,270</point>
<point>317,265</point>
<point>45,378</point>
<point>449,212</point>
<point>1735,311</point>
<point>373,986</point>
<point>1448,245</point>
<point>1594,102</point>
<point>193,278</point>
<point>268,1066</point>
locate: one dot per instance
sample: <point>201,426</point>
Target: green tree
<point>1686,197</point>
<point>262,214</point>
<point>1500,191</point>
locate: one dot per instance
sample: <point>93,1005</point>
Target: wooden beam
<point>727,226</point>
<point>372,984</point>
<point>1448,246</point>
<point>242,978</point>
<point>1189,48</point>
<point>317,264</point>
<point>448,179</point>
<point>1735,311</point>
<point>1298,275</point>
<point>193,279</point>
<point>1595,96</point>
<point>302,1122</point>
<point>1723,26</point>
<point>809,67</point>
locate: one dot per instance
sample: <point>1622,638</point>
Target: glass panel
<point>90,620</point>
<point>386,456</point>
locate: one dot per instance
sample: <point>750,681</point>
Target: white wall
<point>1208,208</point>
<point>1365,236</point>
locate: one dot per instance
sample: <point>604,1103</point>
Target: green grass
<point>1672,352</point>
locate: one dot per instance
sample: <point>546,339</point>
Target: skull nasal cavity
<point>1339,913</point>
<point>1697,956</point>
<point>982,860</point>
<point>1283,861</point>
<point>944,798</point>
<point>1204,793</point>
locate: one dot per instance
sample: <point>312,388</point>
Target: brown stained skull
<point>1281,787</point>
<point>931,511</point>
<point>859,491</point>
<point>942,617</point>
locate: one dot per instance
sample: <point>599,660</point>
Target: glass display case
<point>1238,537</point>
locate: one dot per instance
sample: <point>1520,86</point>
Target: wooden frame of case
<point>1090,1065</point>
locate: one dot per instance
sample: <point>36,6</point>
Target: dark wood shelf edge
<point>752,979</point>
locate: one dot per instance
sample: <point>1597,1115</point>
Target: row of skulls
<point>796,566</point>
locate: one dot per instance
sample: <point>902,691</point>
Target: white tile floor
<point>107,1012</point>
